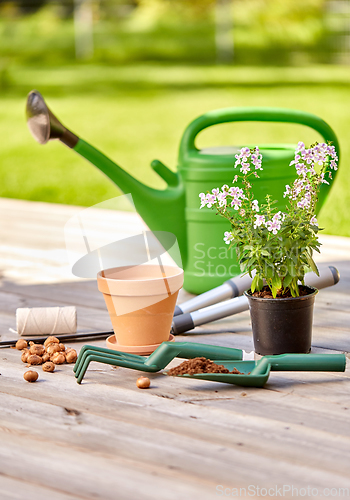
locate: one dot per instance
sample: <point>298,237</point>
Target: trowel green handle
<point>302,362</point>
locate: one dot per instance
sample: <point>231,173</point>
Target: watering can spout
<point>44,125</point>
<point>162,210</point>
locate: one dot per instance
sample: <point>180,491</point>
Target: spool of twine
<point>46,320</point>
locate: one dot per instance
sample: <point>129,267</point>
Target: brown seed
<point>37,349</point>
<point>25,354</point>
<point>31,376</point>
<point>58,358</point>
<point>46,357</point>
<point>21,344</point>
<point>71,356</point>
<point>34,359</point>
<point>52,348</point>
<point>48,366</point>
<point>143,382</point>
<point>62,347</point>
<point>51,340</point>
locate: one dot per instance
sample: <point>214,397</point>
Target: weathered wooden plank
<point>203,452</point>
<point>99,475</point>
<point>14,488</point>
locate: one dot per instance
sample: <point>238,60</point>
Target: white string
<point>46,320</point>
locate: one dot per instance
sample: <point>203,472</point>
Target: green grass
<point>137,113</point>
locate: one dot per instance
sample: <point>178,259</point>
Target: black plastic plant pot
<point>282,325</point>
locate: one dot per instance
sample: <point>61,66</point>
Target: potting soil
<point>200,365</point>
<point>266,293</point>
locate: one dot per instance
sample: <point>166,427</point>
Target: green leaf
<point>287,280</point>
<point>312,264</point>
<point>276,282</point>
<point>254,283</point>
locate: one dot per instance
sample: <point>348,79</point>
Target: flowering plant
<point>277,245</point>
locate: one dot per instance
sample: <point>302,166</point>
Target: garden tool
<point>207,261</point>
<point>328,276</point>
<point>252,373</point>
<point>256,373</point>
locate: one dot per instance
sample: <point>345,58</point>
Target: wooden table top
<point>179,439</point>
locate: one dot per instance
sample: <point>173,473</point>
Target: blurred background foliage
<point>129,75</point>
<point>280,32</point>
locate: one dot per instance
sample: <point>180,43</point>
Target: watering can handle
<point>228,115</point>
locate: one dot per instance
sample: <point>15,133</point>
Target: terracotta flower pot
<point>141,302</point>
<point>282,325</point>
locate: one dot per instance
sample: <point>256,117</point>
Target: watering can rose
<point>277,245</point>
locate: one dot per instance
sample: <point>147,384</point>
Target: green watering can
<point>206,259</point>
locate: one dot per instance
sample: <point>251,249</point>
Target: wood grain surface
<point>179,439</point>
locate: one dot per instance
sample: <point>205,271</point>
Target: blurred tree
<point>26,6</point>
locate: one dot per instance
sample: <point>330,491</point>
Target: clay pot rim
<point>279,300</point>
<point>140,286</point>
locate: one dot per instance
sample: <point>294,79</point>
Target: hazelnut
<point>62,347</point>
<point>52,348</point>
<point>46,357</point>
<point>34,359</point>
<point>25,354</point>
<point>21,344</point>
<point>143,382</point>
<point>51,340</point>
<point>48,366</point>
<point>31,376</point>
<point>58,358</point>
<point>37,349</point>
<point>71,356</point>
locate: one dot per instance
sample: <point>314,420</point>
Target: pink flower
<point>228,237</point>
<point>245,168</point>
<point>211,199</point>
<point>259,220</point>
<point>236,203</point>
<point>222,199</point>
<point>203,200</point>
<point>287,191</point>
<point>255,205</point>
<point>300,147</point>
<point>274,225</point>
